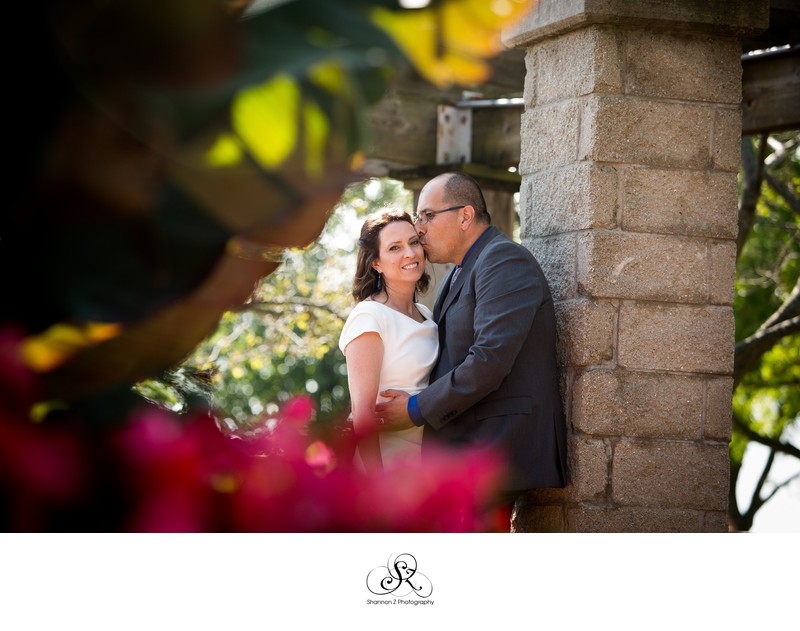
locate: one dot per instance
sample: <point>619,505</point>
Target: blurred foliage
<point>284,341</point>
<point>766,401</point>
<point>151,133</point>
<point>149,140</point>
<point>449,41</point>
<point>769,264</point>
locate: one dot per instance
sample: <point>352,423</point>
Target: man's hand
<point>394,412</point>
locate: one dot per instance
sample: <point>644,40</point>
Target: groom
<point>496,381</point>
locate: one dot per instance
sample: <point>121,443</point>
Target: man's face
<point>440,235</point>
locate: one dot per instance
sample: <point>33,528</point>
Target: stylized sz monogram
<point>399,577</point>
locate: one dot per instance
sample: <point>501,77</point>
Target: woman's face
<point>401,258</point>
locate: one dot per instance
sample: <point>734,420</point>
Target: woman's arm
<point>364,357</point>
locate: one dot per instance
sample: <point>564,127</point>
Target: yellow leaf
<point>316,129</point>
<point>39,411</point>
<point>101,331</point>
<point>330,76</point>
<point>52,348</point>
<point>357,161</point>
<point>226,152</point>
<point>496,13</point>
<point>265,117</point>
<point>451,43</point>
<point>467,34</point>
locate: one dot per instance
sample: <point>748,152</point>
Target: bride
<point>389,340</point>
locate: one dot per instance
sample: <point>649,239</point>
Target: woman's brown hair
<point>367,281</point>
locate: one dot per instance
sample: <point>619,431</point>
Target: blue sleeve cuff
<point>414,413</point>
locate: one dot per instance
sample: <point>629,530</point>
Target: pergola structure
<point>618,122</point>
<point>419,131</point>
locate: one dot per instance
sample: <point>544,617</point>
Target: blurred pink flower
<point>17,381</point>
<point>449,492</point>
<point>168,473</point>
<point>42,468</point>
<point>320,457</point>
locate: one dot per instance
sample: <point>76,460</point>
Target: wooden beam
<point>404,123</point>
<point>771,91</point>
<point>784,27</point>
<point>496,136</point>
<point>404,134</point>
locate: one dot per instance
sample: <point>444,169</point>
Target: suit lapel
<point>448,297</point>
<point>452,293</point>
<point>444,290</point>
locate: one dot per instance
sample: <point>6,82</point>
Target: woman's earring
<point>379,283</point>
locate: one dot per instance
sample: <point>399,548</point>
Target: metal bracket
<point>453,135</point>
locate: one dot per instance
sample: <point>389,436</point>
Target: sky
<point>782,512</point>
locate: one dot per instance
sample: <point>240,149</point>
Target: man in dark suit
<point>496,382</point>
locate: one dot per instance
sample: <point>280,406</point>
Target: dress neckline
<point>405,315</point>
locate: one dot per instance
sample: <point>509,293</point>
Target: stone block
<point>588,468</point>
<point>726,150</point>
<point>566,381</point>
<point>579,63</point>
<point>722,272</point>
<point>718,412</point>
<point>640,131</point>
<point>538,519</point>
<point>545,497</point>
<point>642,266</point>
<point>586,331</point>
<point>715,521</point>
<point>681,338</point>
<point>683,67</point>
<point>669,201</point>
<point>588,518</point>
<point>574,197</point>
<point>670,474</point>
<point>549,136</point>
<point>640,404</point>
<point>551,18</point>
<point>530,96</point>
<point>556,256</point>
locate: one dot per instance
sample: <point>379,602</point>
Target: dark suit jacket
<point>496,382</point>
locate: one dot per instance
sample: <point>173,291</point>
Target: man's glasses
<point>426,215</point>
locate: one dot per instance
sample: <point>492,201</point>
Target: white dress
<point>410,349</point>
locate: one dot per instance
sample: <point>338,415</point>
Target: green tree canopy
<point>766,401</point>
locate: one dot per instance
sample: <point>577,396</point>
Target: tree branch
<point>774,444</point>
<point>735,517</point>
<point>784,191</point>
<point>757,501</point>
<point>784,321</point>
<point>780,150</point>
<point>270,305</point>
<point>783,484</point>
<point>749,351</point>
<point>790,308</point>
<point>753,175</point>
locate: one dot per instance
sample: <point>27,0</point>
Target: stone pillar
<point>630,153</point>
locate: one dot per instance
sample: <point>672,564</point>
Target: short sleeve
<point>358,322</point>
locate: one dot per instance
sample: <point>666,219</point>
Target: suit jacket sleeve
<point>486,328</point>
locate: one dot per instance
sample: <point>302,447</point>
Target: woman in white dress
<point>389,340</point>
